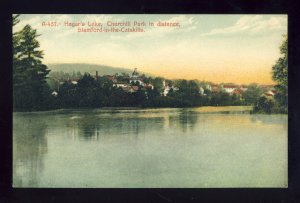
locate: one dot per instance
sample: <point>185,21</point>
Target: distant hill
<point>88,68</point>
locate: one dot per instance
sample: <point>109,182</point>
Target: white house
<point>54,93</point>
<point>137,80</point>
<point>167,88</point>
<point>230,88</point>
<point>208,86</point>
<point>120,84</point>
<point>201,91</point>
<point>135,77</point>
<point>270,93</point>
<point>212,87</point>
<point>243,87</point>
<point>149,86</point>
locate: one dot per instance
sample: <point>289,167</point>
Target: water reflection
<point>88,128</point>
<point>267,119</point>
<point>187,120</point>
<point>187,147</point>
<point>29,148</point>
<point>94,126</point>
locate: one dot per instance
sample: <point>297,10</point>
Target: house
<point>270,93</point>
<point>130,89</point>
<point>208,87</point>
<point>214,88</point>
<point>201,91</point>
<point>244,88</point>
<point>274,92</point>
<point>175,88</point>
<point>54,93</point>
<point>149,86</point>
<point>230,88</point>
<point>167,88</point>
<point>238,91</point>
<point>140,82</point>
<point>135,77</point>
<point>121,84</point>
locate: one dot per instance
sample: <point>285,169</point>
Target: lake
<point>150,148</point>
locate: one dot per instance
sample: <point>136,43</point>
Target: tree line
<point>279,74</point>
<point>93,92</point>
<point>32,88</point>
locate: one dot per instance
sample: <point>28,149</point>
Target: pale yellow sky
<point>216,48</point>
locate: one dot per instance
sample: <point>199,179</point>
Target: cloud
<point>252,25</point>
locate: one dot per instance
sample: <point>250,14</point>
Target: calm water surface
<point>191,147</point>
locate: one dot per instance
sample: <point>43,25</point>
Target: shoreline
<point>206,109</point>
<point>199,109</point>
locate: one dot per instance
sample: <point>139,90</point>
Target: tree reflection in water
<point>148,148</point>
<point>267,119</point>
<point>29,148</point>
<point>185,120</point>
<point>95,126</point>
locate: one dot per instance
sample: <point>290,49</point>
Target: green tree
<point>264,104</point>
<point>187,88</point>
<point>30,89</point>
<point>252,94</point>
<point>157,82</point>
<point>280,75</point>
<point>236,100</point>
<point>152,93</point>
<point>139,97</point>
<point>90,92</point>
<point>280,69</point>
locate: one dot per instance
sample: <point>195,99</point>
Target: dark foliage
<point>280,74</point>
<point>30,90</point>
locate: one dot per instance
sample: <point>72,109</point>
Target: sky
<point>218,48</point>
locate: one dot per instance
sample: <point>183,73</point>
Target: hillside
<point>89,68</point>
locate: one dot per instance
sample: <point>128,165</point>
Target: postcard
<point>150,101</point>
